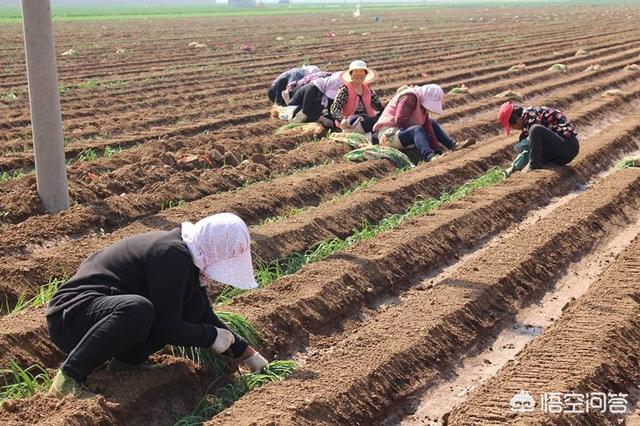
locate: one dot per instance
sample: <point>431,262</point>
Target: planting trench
<point>417,338</point>
<point>298,318</point>
<point>353,315</point>
<point>158,165</point>
<point>434,403</point>
<point>297,234</point>
<point>592,348</point>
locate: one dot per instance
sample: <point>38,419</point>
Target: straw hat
<point>359,65</point>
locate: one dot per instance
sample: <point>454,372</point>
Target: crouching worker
<point>546,136</point>
<point>146,291</point>
<point>357,107</point>
<point>405,121</point>
<point>310,101</point>
<point>278,93</point>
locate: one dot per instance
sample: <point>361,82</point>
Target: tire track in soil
<point>589,349</point>
<point>345,385</point>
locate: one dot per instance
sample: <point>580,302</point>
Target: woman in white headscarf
<point>278,88</point>
<point>146,291</point>
<point>405,121</point>
<point>309,102</point>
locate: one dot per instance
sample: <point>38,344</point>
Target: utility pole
<point>44,99</point>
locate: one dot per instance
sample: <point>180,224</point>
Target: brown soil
<point>367,325</point>
<point>346,384</point>
<point>589,349</point>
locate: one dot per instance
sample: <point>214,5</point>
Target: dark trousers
<point>309,99</point>
<point>276,89</point>
<point>103,328</point>
<point>548,146</point>
<point>418,136</point>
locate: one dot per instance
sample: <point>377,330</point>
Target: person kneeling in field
<point>279,86</point>
<point>309,101</point>
<point>546,136</point>
<point>405,121</point>
<point>293,86</point>
<point>146,291</point>
<point>357,107</point>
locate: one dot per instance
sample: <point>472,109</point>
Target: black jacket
<point>158,266</point>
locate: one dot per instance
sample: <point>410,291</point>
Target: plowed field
<point>527,284</point>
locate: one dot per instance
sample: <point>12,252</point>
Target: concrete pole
<point>46,119</point>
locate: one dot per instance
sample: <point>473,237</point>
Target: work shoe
<point>430,157</point>
<point>300,117</point>
<point>64,385</point>
<point>116,366</point>
<point>464,144</point>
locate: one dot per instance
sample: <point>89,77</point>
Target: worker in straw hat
<point>405,121</point>
<point>546,136</point>
<point>357,107</point>
<point>146,291</point>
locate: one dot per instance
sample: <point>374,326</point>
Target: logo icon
<point>523,402</point>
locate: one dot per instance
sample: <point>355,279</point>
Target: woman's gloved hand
<point>224,339</point>
<point>256,362</point>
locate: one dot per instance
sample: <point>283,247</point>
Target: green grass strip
<point>23,382</point>
<point>628,162</point>
<point>213,404</point>
<point>44,295</point>
<point>266,273</point>
<point>239,325</point>
<point>210,360</point>
<point>6,176</point>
